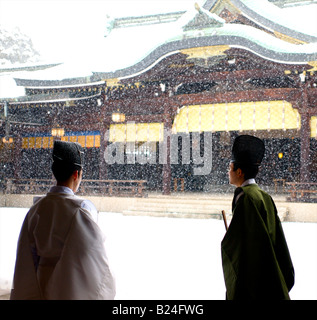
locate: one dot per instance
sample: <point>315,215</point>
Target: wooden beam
<point>227,75</point>
<point>286,94</point>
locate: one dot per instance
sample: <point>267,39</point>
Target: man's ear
<point>239,172</point>
<point>76,174</point>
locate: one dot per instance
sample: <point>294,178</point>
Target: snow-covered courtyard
<point>169,258</point>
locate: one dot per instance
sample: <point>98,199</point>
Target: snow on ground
<point>169,258</point>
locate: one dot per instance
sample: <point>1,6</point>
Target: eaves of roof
<point>233,35</point>
<point>270,18</point>
<point>49,98</point>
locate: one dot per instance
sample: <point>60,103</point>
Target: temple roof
<point>274,18</point>
<point>234,35</point>
<point>141,44</point>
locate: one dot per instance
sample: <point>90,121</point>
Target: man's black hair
<point>62,170</point>
<point>250,171</point>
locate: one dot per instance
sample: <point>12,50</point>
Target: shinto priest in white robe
<point>61,253</point>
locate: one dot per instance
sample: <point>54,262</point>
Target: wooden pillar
<point>168,122</point>
<point>103,145</point>
<point>167,173</point>
<point>17,156</point>
<point>305,147</point>
<point>104,127</point>
<point>305,137</point>
<point>171,105</point>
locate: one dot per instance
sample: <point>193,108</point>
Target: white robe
<point>61,253</point>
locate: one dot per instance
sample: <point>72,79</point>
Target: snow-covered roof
<point>147,46</point>
<point>299,22</point>
<point>8,87</point>
<point>132,50</point>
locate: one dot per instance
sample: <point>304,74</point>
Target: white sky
<point>58,27</point>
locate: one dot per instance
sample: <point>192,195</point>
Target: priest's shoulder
<point>67,200</point>
<point>37,199</point>
<point>254,192</point>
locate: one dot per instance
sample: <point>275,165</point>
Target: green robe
<point>255,257</point>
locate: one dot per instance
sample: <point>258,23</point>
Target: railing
<point>135,188</point>
<point>302,191</point>
<point>33,186</point>
<point>182,184</point>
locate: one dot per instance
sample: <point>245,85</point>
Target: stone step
<point>183,200</point>
<point>182,209</point>
<point>210,204</point>
<point>197,215</point>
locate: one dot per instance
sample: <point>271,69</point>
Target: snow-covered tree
<point>16,47</point>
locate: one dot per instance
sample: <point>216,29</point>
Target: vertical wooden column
<point>169,112</point>
<point>103,145</point>
<point>104,127</point>
<point>167,173</point>
<point>171,105</point>
<point>305,137</point>
<point>17,152</point>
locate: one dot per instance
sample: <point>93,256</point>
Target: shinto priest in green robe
<point>255,257</point>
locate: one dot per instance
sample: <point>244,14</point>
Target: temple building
<point>226,68</point>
